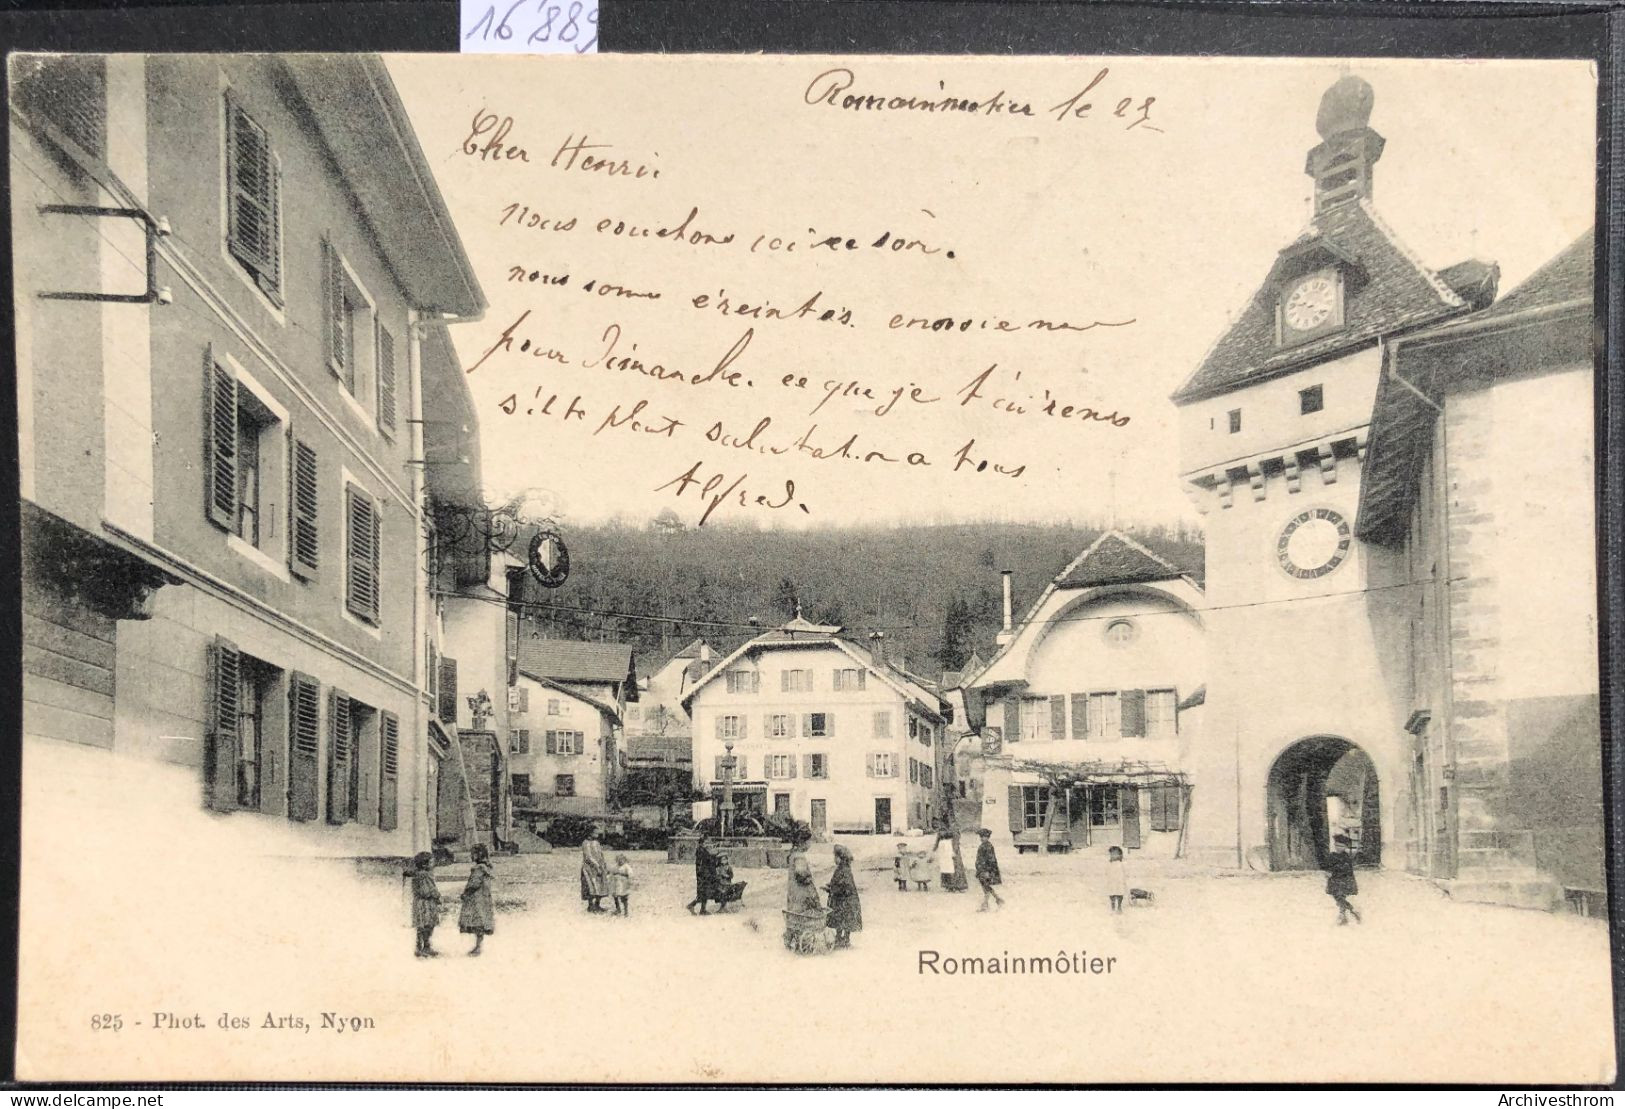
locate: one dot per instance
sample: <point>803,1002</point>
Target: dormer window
<point>1311,400</point>
<point>1310,306</point>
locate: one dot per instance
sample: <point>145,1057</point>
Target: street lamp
<point>728,764</point>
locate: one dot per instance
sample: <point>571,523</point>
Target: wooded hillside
<point>933,589</point>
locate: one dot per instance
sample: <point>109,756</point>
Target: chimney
<point>705,651</point>
<point>877,646</point>
<point>1342,164</point>
<point>1008,633</point>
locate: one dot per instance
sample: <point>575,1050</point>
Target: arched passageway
<point>1320,787</point>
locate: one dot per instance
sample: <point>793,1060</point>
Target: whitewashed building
<point>821,730</point>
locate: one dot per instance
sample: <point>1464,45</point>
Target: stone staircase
<point>1498,868</point>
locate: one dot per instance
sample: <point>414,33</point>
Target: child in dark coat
<point>845,910</point>
<point>1340,882</point>
<point>987,870</point>
<point>425,902</point>
<point>478,918</point>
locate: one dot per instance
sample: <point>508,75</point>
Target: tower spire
<point>1341,165</point>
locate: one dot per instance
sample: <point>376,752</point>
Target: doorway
<point>882,816</point>
<point>820,816</point>
<point>1319,788</point>
<point>781,804</point>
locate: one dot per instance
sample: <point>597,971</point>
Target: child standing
<point>987,870</point>
<point>899,867</point>
<point>425,902</point>
<point>1116,878</point>
<point>478,916</point>
<point>620,885</point>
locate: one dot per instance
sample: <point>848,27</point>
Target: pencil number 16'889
<point>574,24</point>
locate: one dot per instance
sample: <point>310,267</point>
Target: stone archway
<point>1318,787</point>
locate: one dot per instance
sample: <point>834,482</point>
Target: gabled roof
<point>1115,559</point>
<point>571,660</point>
<point>668,750</point>
<point>1546,322</point>
<point>1568,277</point>
<point>800,633</point>
<point>570,691</point>
<point>1387,290</point>
<point>691,651</point>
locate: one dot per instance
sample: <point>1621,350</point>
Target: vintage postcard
<point>808,569</point>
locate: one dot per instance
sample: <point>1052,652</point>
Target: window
<point>926,775</point>
<point>1161,713</point>
<point>386,381</point>
<point>744,681</point>
<point>817,766</point>
<point>356,350</point>
<point>253,203</point>
<point>849,679</point>
<point>818,724</point>
<point>253,679</point>
<point>1103,806</point>
<point>781,766</point>
<point>914,771</point>
<point>1034,807</point>
<point>927,734</point>
<point>883,725</point>
<point>253,420</point>
<point>564,785</point>
<point>67,91</point>
<point>553,707</point>
<point>347,723</point>
<point>730,727</point>
<point>519,785</point>
<point>778,726</point>
<point>882,764</point>
<point>244,439</point>
<point>795,681</point>
<point>1035,718</point>
<point>1105,720</point>
<point>519,741</point>
<point>361,554</point>
<point>1120,633</point>
<point>914,727</point>
<point>1312,399</point>
<point>1235,420</point>
<point>781,804</point>
<point>565,743</point>
<point>1166,802</point>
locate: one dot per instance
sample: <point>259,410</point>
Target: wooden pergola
<point>1062,777</point>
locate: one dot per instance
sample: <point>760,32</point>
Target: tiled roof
<point>1473,281</point>
<point>691,651</point>
<point>1115,559</point>
<point>1388,290</point>
<point>571,691</point>
<point>1568,277</point>
<point>570,660</point>
<point>667,749</point>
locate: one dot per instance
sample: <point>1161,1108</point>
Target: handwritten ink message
<point>761,357</point>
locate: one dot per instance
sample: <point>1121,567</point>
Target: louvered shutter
<point>252,233</point>
<point>1080,716</point>
<point>219,442</point>
<point>869,767</point>
<point>1057,717</point>
<point>1130,797</point>
<point>792,761</point>
<point>335,318</point>
<point>1012,719</point>
<point>340,751</point>
<point>717,774</point>
<point>552,742</point>
<point>1017,816</point>
<point>524,699</point>
<point>1133,712</point>
<point>386,381</point>
<point>448,690</point>
<point>806,724</point>
<point>361,556</point>
<point>304,741</point>
<point>304,549</point>
<point>273,770</point>
<point>224,691</point>
<point>829,724</point>
<point>389,738</point>
<point>741,772</point>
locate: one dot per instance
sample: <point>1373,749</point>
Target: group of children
<point>478,919</point>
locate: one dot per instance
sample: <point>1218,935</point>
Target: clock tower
<point>1274,422</point>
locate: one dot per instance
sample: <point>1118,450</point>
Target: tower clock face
<point>1310,303</point>
<point>1314,543</point>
